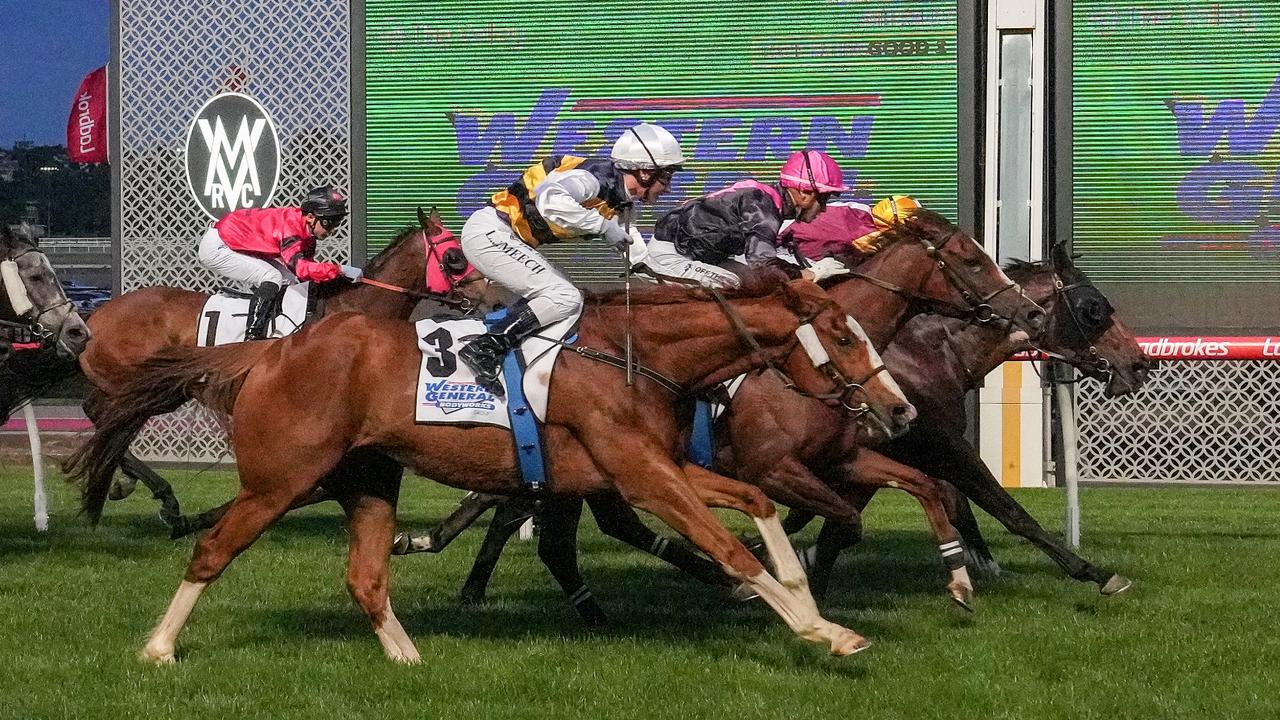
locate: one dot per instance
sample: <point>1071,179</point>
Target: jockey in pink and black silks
<point>698,239</point>
<point>258,246</point>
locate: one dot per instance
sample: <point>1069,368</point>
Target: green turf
<point>278,636</point>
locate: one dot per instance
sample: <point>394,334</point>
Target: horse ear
<point>422,219</point>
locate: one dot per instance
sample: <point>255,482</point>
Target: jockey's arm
<point>559,199</point>
<point>761,223</point>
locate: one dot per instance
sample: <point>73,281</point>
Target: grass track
<point>278,636</point>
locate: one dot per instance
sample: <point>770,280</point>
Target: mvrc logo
<point>233,155</point>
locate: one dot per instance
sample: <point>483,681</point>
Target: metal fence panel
<point>1194,421</point>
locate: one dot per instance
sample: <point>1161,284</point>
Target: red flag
<point>87,125</point>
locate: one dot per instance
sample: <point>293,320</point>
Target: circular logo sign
<point>233,155</point>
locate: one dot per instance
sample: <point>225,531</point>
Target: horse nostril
<point>76,333</point>
<point>1036,318</point>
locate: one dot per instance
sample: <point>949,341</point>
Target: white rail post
<point>1070,460</point>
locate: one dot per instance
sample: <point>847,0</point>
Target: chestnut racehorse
<point>135,326</point>
<point>600,434</point>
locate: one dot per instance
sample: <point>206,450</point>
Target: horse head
<point>1082,329</point>
<point>834,351</point>
<point>34,296</point>
<point>932,263</point>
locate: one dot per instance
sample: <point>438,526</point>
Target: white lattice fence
<point>293,56</point>
<point>1193,421</point>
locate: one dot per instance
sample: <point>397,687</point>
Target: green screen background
<point>427,61</point>
<point>1134,62</point>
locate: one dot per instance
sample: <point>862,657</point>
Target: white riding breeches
<point>225,262</point>
<point>498,253</point>
<point>665,260</point>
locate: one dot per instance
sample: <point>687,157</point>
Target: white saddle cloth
<point>225,317</point>
<point>447,390</point>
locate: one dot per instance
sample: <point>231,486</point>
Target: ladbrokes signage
<point>233,155</point>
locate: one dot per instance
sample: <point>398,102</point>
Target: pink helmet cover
<point>812,170</point>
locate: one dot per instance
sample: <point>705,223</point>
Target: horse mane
<point>1021,271</point>
<point>756,283</point>
<point>23,238</point>
<point>379,261</point>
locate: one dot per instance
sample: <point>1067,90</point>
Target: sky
<point>46,48</point>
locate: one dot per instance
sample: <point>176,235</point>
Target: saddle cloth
<point>226,316</point>
<point>447,390</point>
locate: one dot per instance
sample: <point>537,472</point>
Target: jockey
<point>255,246</point>
<point>847,228</point>
<point>698,238</point>
<point>560,197</point>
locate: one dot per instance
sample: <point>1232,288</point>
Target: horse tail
<point>159,385</point>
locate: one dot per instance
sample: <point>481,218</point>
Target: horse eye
<point>846,340</point>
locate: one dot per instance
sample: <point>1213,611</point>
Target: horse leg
<point>872,468</point>
<point>185,525</point>
<point>977,554</point>
<point>971,476</point>
<point>249,515</point>
<point>647,478</point>
<point>617,520</point>
<point>161,490</point>
<point>833,539</point>
<point>372,520</point>
<point>508,518</point>
<point>438,538</point>
<point>558,550</point>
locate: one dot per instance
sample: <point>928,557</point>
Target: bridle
<point>977,308</point>
<point>452,298</point>
<point>1090,360</point>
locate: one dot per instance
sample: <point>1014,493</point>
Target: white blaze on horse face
<point>890,384</point>
<point>17,290</point>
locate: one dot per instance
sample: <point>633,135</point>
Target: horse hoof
<point>180,528</point>
<point>962,595</point>
<point>850,644</point>
<point>157,657</point>
<point>402,544</point>
<point>1116,585</point>
<point>407,659</point>
<point>121,489</point>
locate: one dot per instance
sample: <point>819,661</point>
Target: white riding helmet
<point>646,147</point>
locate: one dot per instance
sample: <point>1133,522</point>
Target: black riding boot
<point>484,354</point>
<point>262,307</point>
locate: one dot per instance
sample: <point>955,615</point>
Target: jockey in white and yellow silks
<point>561,197</point>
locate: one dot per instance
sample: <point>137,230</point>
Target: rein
<point>979,308</point>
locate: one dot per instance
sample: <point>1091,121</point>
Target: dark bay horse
<point>600,434</point>
<point>794,449</point>
<point>135,326</point>
<point>938,360</point>
<point>40,332</point>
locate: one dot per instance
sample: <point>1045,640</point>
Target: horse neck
<point>983,348</point>
<point>880,311</point>
<point>695,342</point>
<point>402,264</point>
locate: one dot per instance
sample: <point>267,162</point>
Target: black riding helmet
<point>325,201</point>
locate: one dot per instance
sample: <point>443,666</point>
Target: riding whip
<point>626,261</point>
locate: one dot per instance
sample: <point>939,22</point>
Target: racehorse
<point>937,360</point>
<point>600,434</point>
<point>135,326</point>
<point>40,332</point>
<point>796,450</point>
